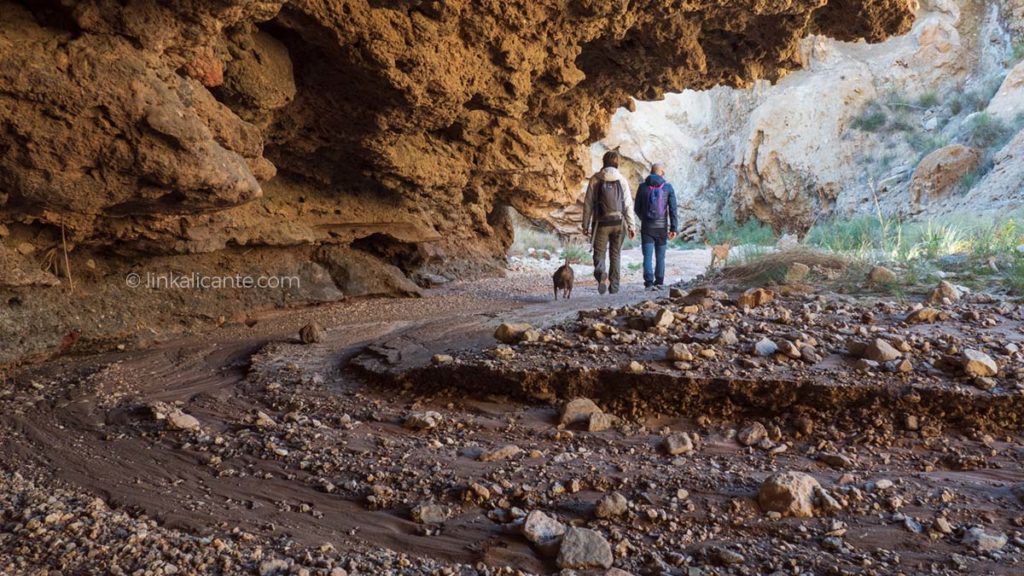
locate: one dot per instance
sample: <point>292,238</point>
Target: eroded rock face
<point>351,143</point>
<point>804,148</point>
<point>186,127</point>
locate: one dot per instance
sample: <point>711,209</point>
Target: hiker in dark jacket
<point>656,207</point>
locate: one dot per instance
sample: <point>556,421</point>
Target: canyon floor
<point>406,440</point>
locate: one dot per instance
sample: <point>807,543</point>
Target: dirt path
<point>330,480</point>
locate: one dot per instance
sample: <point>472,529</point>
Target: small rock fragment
<point>611,505</point>
<point>312,333</point>
<point>583,548</point>
<point>789,494</point>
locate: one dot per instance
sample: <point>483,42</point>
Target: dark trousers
<point>608,244</point>
<point>654,242</point>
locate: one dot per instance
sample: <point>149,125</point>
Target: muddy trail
<point>246,451</point>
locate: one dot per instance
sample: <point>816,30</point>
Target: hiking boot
<point>651,288</point>
<point>601,287</point>
<point>613,289</point>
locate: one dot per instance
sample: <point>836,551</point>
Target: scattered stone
<point>543,531</point>
<point>601,421</point>
<point>727,337</point>
<point>755,297</point>
<point>977,538</point>
<point>429,513</point>
<point>312,333</point>
<point>583,548</point>
<point>263,420</point>
<point>611,505</point>
<point>508,333</point>
<point>944,292</point>
<point>879,350</point>
<point>752,434</point>
<point>422,420</point>
<point>976,363</point>
<point>796,272</point>
<point>838,461</point>
<point>789,494</point>
<point>881,275</point>
<point>678,443</point>
<point>679,352</point>
<point>441,359</point>
<point>923,316</point>
<point>765,347</point>
<point>578,411</point>
<point>180,421</point>
<point>663,318</point>
<point>726,556</point>
<point>942,526</point>
<point>504,453</point>
<point>635,367</point>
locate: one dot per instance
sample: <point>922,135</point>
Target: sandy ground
<point>298,464</point>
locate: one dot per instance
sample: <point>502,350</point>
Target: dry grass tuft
<point>763,268</point>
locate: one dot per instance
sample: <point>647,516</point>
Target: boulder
<point>881,275</point>
<point>678,443</point>
<point>583,548</point>
<point>981,540</point>
<point>512,333</point>
<point>543,531</point>
<point>978,364</point>
<point>765,347</point>
<point>755,297</point>
<point>422,420</point>
<point>429,513</point>
<point>752,434</point>
<point>879,350</point>
<point>601,421</point>
<point>789,494</point>
<point>944,292</point>
<point>1008,103</point>
<point>180,421</point>
<point>312,333</point>
<point>796,272</point>
<point>611,505</point>
<point>679,352</point>
<point>578,411</point>
<point>503,453</point>
<point>940,172</point>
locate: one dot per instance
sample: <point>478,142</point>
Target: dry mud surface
<point>245,451</point>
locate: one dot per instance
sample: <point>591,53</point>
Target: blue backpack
<point>657,202</point>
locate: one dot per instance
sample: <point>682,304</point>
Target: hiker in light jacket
<point>656,208</point>
<point>608,218</point>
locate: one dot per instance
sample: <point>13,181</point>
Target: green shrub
<point>956,105</point>
<point>925,143</point>
<point>988,132</point>
<point>1017,53</point>
<point>967,181</point>
<point>752,231</point>
<point>928,99</point>
<point>575,252</point>
<point>871,119</point>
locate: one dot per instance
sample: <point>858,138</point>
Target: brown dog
<point>563,279</point>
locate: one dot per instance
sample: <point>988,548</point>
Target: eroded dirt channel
<point>305,462</point>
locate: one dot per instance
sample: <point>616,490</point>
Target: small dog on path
<point>563,279</point>
<point>719,253</point>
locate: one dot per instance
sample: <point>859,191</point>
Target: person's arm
<point>673,209</point>
<point>639,201</point>
<point>588,207</point>
<point>628,212</point>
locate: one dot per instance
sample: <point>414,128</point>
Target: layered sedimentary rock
<point>404,129</point>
